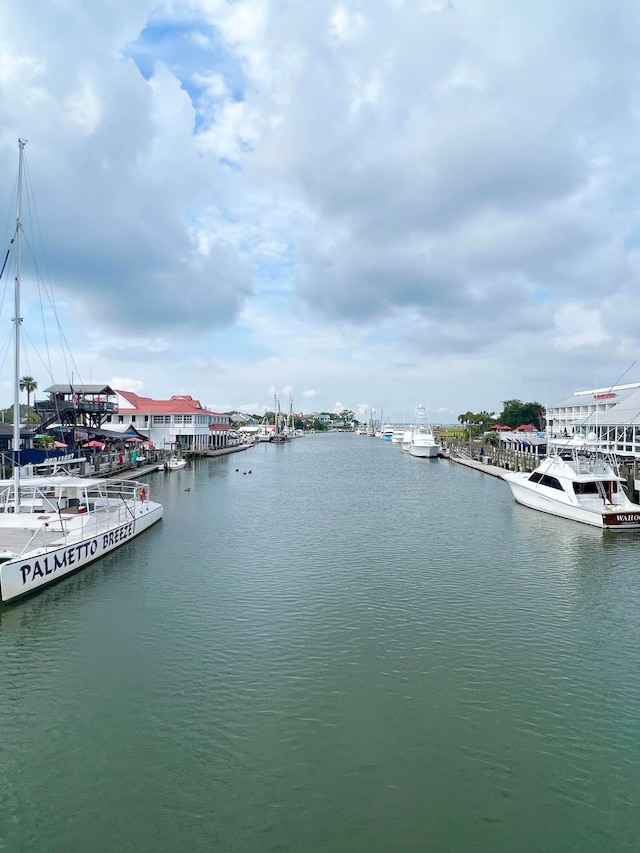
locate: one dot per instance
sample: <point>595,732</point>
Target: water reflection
<point>349,649</point>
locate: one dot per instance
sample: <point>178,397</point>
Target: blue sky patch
<point>193,51</point>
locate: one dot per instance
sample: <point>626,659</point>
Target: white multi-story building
<point>180,423</point>
<point>606,418</point>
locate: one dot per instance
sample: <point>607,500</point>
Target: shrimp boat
<point>53,526</point>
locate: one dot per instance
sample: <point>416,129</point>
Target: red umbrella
<point>94,443</point>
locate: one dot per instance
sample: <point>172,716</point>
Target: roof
<point>180,404</point>
<point>80,389</point>
<point>6,431</point>
<point>625,413</point>
<point>119,431</point>
<point>613,394</point>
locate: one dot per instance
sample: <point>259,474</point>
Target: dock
<point>478,465</point>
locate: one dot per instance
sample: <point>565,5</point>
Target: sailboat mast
<point>17,320</point>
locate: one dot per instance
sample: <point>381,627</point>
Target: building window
<point>177,419</point>
<point>158,419</point>
<point>188,419</point>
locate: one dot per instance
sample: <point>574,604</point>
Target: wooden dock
<point>478,465</point>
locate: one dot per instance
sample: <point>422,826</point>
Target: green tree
<point>515,413</point>
<point>476,423</point>
<point>28,384</point>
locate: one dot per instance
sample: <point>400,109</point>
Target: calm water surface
<point>347,649</point>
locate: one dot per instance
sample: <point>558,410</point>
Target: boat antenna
<point>17,319</point>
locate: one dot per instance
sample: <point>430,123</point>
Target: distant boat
<point>407,437</point>
<point>52,526</point>
<point>423,443</point>
<point>279,435</point>
<point>174,463</point>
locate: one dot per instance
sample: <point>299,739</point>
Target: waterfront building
<point>179,423</point>
<point>606,418</point>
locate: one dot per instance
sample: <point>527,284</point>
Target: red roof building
<point>179,423</point>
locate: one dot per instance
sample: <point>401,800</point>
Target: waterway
<point>342,649</point>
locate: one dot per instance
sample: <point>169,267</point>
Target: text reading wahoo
<point>76,555</point>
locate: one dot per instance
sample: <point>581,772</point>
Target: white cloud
<point>370,201</point>
<point>125,383</point>
<point>579,328</point>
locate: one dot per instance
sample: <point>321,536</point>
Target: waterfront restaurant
<point>178,424</point>
<point>604,418</point>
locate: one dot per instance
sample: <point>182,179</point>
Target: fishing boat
<point>580,486</point>
<point>51,527</point>
<point>279,434</point>
<point>423,443</point>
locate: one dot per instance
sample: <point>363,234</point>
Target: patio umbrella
<point>94,443</point>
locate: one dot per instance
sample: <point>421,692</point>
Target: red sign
<point>604,396</point>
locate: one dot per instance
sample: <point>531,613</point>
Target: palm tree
<point>28,384</point>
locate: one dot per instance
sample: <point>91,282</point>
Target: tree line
<point>514,413</point>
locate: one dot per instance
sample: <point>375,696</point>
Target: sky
<point>371,204</point>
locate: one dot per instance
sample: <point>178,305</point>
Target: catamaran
<point>51,527</point>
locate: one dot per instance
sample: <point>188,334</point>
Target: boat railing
<point>588,461</point>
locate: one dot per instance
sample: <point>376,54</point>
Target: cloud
<point>122,383</point>
<point>361,199</point>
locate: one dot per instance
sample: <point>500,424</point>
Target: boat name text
<point>76,554</point>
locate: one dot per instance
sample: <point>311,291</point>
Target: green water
<point>347,649</point>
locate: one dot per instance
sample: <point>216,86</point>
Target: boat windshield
<point>596,487</point>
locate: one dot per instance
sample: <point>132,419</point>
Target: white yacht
<point>579,486</point>
<point>407,438</point>
<point>423,443</point>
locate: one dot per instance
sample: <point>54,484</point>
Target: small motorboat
<point>174,463</point>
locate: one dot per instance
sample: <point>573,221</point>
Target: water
<point>345,650</point>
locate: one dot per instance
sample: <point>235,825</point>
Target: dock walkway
<point>484,467</point>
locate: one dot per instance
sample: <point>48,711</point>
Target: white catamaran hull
<point>23,575</point>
